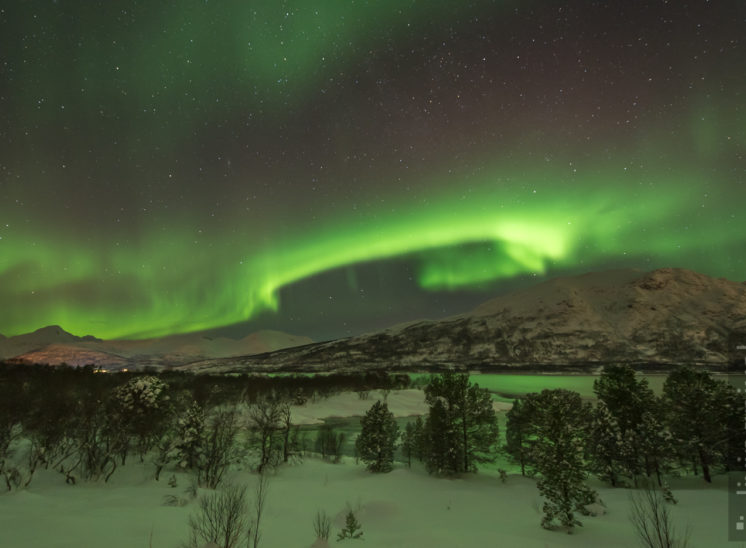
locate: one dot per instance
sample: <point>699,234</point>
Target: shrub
<point>322,525</point>
<point>652,521</point>
<point>352,528</point>
<point>221,518</point>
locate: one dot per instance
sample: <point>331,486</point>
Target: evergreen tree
<point>695,416</point>
<point>377,439</point>
<point>408,440</point>
<point>627,398</point>
<point>441,442</point>
<point>413,441</point>
<point>517,442</point>
<point>189,429</point>
<point>465,419</point>
<point>731,405</point>
<point>352,528</point>
<point>560,424</point>
<point>653,439</point>
<point>142,408</point>
<point>419,439</point>
<point>606,445</point>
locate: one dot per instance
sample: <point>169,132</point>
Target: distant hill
<point>53,345</point>
<point>656,319</point>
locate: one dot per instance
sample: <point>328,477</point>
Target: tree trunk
<point>658,474</point>
<point>465,428</point>
<point>705,466</point>
<point>286,444</point>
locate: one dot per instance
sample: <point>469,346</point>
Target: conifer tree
<point>606,445</point>
<point>352,528</point>
<point>408,442</point>
<point>464,418</point>
<point>419,439</point>
<point>560,423</point>
<point>695,417</point>
<point>653,440</point>
<point>731,406</point>
<point>627,398</point>
<point>517,442</point>
<point>377,439</point>
<point>442,445</point>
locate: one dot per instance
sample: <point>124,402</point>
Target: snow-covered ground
<point>402,403</point>
<point>405,508</point>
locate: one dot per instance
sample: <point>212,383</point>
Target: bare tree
<point>260,499</point>
<point>265,418</point>
<point>652,521</point>
<point>218,440</point>
<point>285,417</point>
<point>222,519</point>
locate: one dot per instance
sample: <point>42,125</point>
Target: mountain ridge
<point>655,319</point>
<point>647,319</point>
<point>53,345</point>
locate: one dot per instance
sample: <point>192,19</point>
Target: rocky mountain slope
<point>655,319</point>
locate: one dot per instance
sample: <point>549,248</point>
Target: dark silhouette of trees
<point>377,440</point>
<point>461,429</point>
<point>703,415</point>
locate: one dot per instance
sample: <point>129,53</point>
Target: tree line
<point>628,437</point>
<point>84,425</point>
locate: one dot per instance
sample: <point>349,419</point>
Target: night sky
<point>328,168</point>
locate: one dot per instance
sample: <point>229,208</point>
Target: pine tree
<point>562,483</point>
<point>413,441</point>
<point>441,443</point>
<point>606,445</point>
<point>419,439</point>
<point>377,439</point>
<point>560,424</point>
<point>470,425</point>
<point>652,438</point>
<point>189,429</point>
<point>408,442</point>
<point>730,405</point>
<point>352,528</point>
<point>695,416</point>
<point>627,398</point>
<point>517,442</point>
<point>142,407</point>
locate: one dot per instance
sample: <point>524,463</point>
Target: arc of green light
<point>163,284</point>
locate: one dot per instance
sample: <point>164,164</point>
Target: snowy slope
<point>659,318</point>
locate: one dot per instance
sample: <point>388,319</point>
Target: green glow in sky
<point>342,166</point>
<point>167,282</point>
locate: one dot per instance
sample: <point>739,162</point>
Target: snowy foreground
<point>405,508</point>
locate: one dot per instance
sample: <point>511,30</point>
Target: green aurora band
<point>164,284</point>
<point>173,167</point>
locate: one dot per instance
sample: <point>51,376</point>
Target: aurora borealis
<point>329,167</point>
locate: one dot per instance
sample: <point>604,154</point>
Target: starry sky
<point>329,168</point>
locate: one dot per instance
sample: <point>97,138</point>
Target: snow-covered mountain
<point>658,319</point>
<point>53,345</point>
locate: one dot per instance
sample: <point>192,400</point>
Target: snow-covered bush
<point>142,407</point>
<point>189,430</point>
